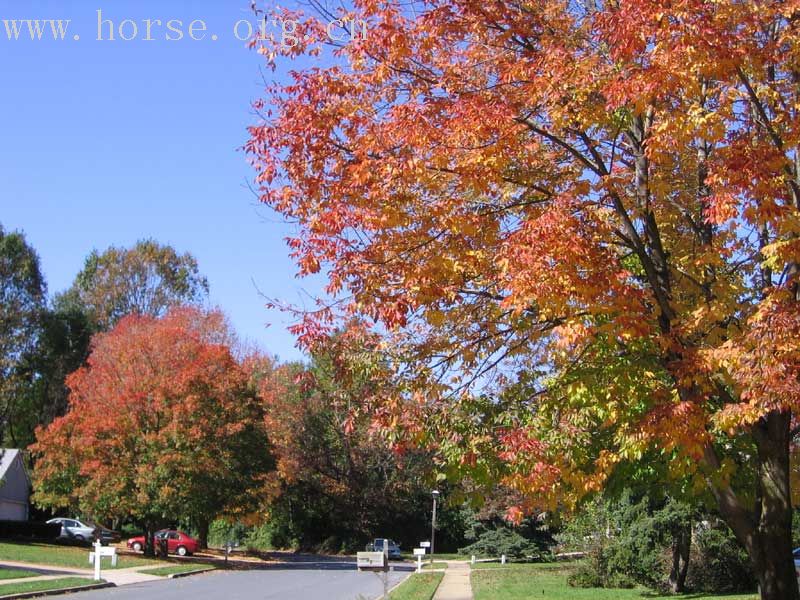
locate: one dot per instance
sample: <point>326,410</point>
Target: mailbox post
<point>419,553</point>
<point>99,552</point>
<point>229,546</point>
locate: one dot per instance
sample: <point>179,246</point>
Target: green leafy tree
<point>61,347</point>
<point>147,279</point>
<point>22,302</point>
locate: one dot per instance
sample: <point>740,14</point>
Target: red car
<point>177,542</point>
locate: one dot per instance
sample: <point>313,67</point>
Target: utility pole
<point>435,494</point>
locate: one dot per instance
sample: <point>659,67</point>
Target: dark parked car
<point>377,546</point>
<point>177,542</point>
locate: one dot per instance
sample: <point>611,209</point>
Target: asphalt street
<point>296,581</point>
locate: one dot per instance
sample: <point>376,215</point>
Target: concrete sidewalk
<point>456,584</point>
<point>116,576</point>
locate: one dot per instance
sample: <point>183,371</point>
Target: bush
<point>503,540</point>
<point>29,530</point>
<point>602,568</point>
<point>220,532</point>
<point>718,562</point>
<point>262,538</point>
<point>585,575</point>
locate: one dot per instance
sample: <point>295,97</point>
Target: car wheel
<point>79,539</point>
<point>182,551</point>
<point>137,547</point>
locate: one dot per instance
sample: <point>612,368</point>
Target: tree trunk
<point>681,548</point>
<point>772,554</point>
<point>766,530</point>
<point>149,545</point>
<point>202,533</point>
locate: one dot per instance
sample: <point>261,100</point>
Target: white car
<point>77,531</point>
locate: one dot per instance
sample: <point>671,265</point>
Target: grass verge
<point>42,586</point>
<point>497,565</point>
<point>437,556</point>
<point>436,565</point>
<point>419,586</point>
<point>60,556</point>
<point>175,570</point>
<point>549,582</point>
<point>16,573</point>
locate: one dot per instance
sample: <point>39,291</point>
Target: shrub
<point>503,540</point>
<point>585,575</point>
<point>603,567</point>
<point>221,531</point>
<point>262,538</point>
<point>718,562</point>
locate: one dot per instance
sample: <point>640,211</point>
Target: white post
<point>433,523</point>
<point>473,559</point>
<point>503,559</point>
<point>97,559</point>
<point>385,569</point>
<point>419,563</point>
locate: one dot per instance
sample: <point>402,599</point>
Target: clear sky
<point>106,142</point>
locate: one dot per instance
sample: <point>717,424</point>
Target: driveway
<point>304,580</point>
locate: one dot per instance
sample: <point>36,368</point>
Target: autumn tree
<point>162,425</point>
<point>598,198</point>
<point>146,279</point>
<point>341,481</point>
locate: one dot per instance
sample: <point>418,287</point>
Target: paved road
<point>297,581</point>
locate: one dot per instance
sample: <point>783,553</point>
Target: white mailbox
<point>424,544</point>
<point>369,560</point>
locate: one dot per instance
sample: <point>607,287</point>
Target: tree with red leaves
<point>162,425</point>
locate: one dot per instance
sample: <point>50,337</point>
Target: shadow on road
<point>282,561</point>
<point>285,561</point>
<point>38,570</point>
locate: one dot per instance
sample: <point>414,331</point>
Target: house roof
<point>7,458</point>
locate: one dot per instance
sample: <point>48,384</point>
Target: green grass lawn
<point>549,582</point>
<point>16,573</point>
<point>419,586</point>
<point>436,565</point>
<point>41,586</point>
<point>174,569</point>
<point>437,556</point>
<point>510,565</point>
<point>60,556</point>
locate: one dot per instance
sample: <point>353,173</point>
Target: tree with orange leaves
<point>162,425</point>
<point>597,203</point>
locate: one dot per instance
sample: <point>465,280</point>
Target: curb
<point>395,586</point>
<point>57,591</point>
<point>189,573</point>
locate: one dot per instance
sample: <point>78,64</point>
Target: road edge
<point>190,573</point>
<point>58,591</point>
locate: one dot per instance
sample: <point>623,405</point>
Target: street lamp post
<point>435,494</point>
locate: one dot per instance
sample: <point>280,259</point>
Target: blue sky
<point>106,142</point>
